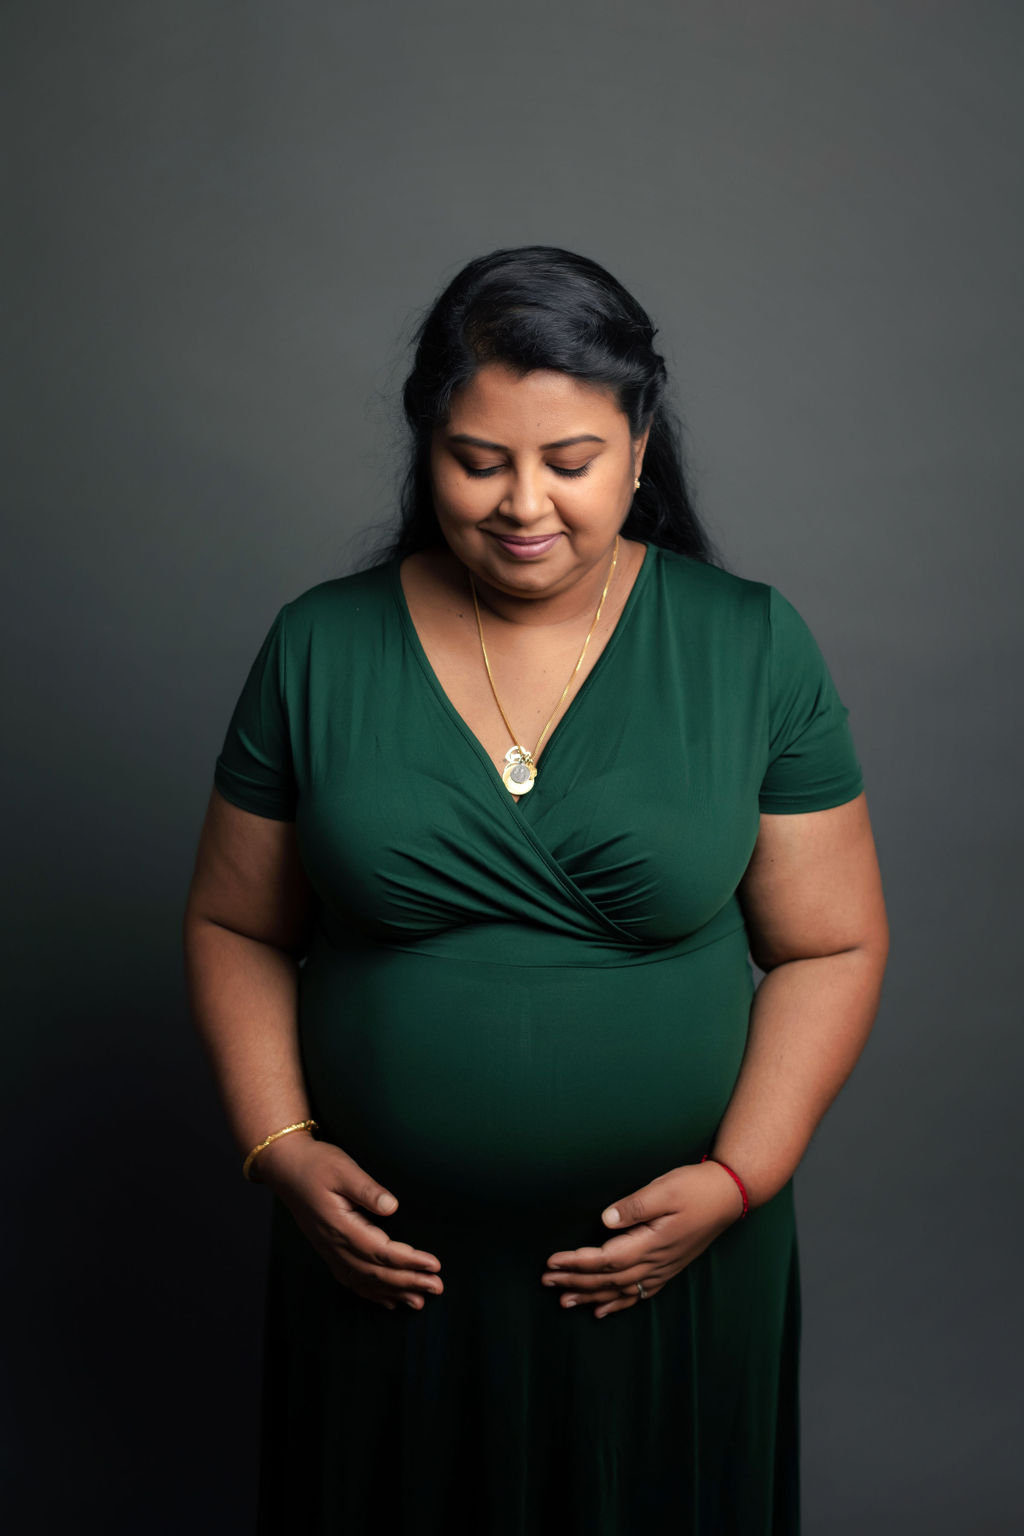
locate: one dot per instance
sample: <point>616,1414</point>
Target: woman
<point>496,827</point>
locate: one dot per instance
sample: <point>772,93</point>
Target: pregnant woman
<point>496,828</point>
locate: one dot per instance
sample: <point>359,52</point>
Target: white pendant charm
<point>519,774</point>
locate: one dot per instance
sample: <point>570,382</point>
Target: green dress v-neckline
<point>434,682</point>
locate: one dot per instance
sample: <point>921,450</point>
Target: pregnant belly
<point>476,1090</point>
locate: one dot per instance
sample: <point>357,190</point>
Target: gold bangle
<point>301,1125</point>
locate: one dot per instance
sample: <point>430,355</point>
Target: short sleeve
<point>255,769</point>
<point>812,763</point>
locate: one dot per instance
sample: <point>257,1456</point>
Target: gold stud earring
<point>636,484</point>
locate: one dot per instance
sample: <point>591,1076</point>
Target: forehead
<point>545,403</point>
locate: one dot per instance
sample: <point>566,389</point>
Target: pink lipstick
<point>527,548</point>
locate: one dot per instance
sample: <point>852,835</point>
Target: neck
<point>566,605</point>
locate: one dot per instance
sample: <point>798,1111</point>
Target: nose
<point>527,500</point>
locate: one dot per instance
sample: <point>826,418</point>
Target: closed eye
<point>569,474</point>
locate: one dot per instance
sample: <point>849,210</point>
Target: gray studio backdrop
<point>225,219</point>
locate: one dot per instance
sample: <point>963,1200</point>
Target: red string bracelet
<point>739,1181</point>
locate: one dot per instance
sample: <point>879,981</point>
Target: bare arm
<point>246,923</point>
<point>812,899</point>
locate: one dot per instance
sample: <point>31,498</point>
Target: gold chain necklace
<point>520,767</point>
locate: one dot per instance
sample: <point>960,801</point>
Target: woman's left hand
<point>670,1222</point>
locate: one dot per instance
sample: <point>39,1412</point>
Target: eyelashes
<point>567,474</point>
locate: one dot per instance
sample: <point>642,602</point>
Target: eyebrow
<point>565,442</point>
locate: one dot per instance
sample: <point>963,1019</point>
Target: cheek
<point>460,506</point>
<point>596,500</point>
<point>462,501</point>
<point>451,491</point>
<point>466,500</point>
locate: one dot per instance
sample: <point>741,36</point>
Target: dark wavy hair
<point>537,306</point>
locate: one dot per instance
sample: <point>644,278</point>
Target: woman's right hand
<point>329,1196</point>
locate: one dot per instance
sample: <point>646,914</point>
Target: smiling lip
<point>525,548</point>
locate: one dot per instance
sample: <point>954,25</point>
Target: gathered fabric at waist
<point>524,944</point>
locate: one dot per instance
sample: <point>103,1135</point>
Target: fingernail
<point>386,1203</point>
<point>569,1302</point>
<point>410,1303</point>
<point>553,1265</point>
<point>547,1282</point>
<point>612,1216</point>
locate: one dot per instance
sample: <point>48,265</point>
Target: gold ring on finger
<point>640,1288</point>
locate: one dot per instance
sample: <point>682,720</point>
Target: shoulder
<point>737,609</point>
<point>711,590</point>
<point>341,602</point>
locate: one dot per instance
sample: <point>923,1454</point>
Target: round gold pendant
<point>518,778</point>
<point>519,774</point>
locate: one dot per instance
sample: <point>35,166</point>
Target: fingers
<point>368,1193</point>
<point>658,1198</point>
<point>626,1213</point>
<point>621,1304</point>
<point>356,1185</point>
<point>335,1203</point>
<point>404,1256</point>
<point>357,1193</point>
<point>573,1282</point>
<point>373,1243</point>
<point>617,1253</point>
<point>611,1297</point>
<point>377,1266</point>
<point>377,1284</point>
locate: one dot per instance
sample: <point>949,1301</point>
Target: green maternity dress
<point>511,1014</point>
